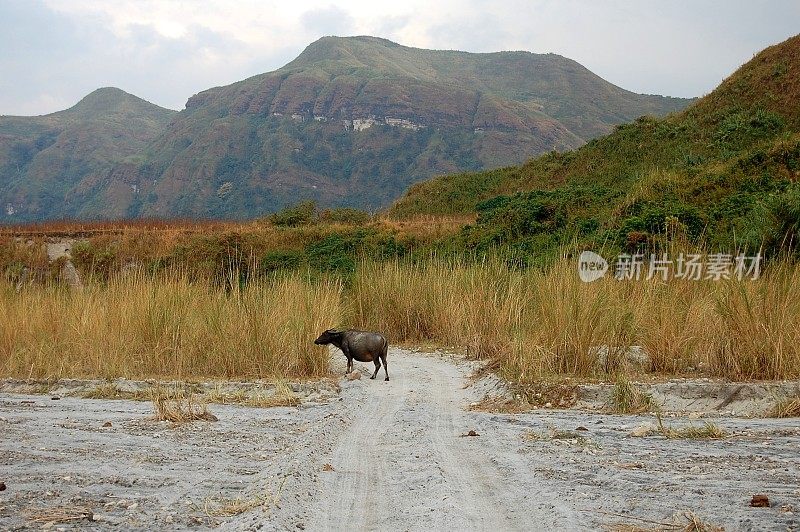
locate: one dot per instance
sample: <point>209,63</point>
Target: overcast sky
<point>53,52</point>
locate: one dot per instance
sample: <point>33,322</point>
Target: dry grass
<point>785,407</point>
<point>759,332</point>
<point>682,521</point>
<point>178,406</point>
<point>500,405</point>
<point>110,391</point>
<point>222,507</point>
<point>706,431</point>
<point>627,398</point>
<point>550,393</point>
<point>532,324</point>
<point>282,395</point>
<point>568,436</point>
<point>60,514</point>
<point>538,324</point>
<point>138,327</point>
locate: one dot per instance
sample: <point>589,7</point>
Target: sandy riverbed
<point>386,456</point>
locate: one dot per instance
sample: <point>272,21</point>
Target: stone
<point>759,501</point>
<point>69,275</point>
<point>645,429</point>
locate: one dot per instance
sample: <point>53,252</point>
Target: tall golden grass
<point>544,323</point>
<point>141,326</point>
<point>533,323</point>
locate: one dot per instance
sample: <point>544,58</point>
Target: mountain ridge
<point>351,121</point>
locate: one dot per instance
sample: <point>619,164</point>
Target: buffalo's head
<point>327,337</point>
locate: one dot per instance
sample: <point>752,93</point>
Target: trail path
<point>386,456</point>
<point>404,464</point>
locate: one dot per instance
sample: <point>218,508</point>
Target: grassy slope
<point>724,167</point>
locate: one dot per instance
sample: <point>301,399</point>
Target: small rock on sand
<point>645,429</point>
<point>760,501</point>
<point>354,375</point>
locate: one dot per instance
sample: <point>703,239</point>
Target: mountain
<point>352,122</point>
<point>46,161</point>
<point>724,173</point>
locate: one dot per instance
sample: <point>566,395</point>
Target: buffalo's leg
<point>377,367</point>
<point>385,367</point>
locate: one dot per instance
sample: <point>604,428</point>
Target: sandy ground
<point>386,456</point>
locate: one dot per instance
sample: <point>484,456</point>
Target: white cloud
<point>164,51</point>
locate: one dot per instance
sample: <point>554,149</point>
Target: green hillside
<point>47,162</point>
<point>723,172</point>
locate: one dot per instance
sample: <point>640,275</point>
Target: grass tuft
<point>283,395</point>
<point>222,507</point>
<point>785,407</point>
<point>104,391</point>
<point>707,431</point>
<point>627,398</point>
<point>179,406</point>
<point>60,514</point>
<point>500,405</point>
<point>556,434</point>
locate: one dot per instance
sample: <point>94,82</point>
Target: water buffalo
<point>359,345</point>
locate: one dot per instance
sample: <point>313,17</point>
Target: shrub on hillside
<point>303,213</point>
<point>93,259</point>
<point>281,260</point>
<point>345,215</point>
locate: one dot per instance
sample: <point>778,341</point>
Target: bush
<point>335,253</point>
<point>345,215</point>
<point>281,260</point>
<point>303,213</point>
<point>99,261</point>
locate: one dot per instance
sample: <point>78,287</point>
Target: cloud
<point>56,51</point>
<point>327,21</point>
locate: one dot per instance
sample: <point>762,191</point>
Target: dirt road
<point>405,464</point>
<point>386,456</point>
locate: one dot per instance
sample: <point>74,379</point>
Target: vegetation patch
<point>707,431</point>
<point>111,391</point>
<point>178,406</point>
<point>283,395</point>
<point>501,405</point>
<point>554,434</point>
<point>229,507</point>
<point>785,407</point>
<point>627,398</point>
